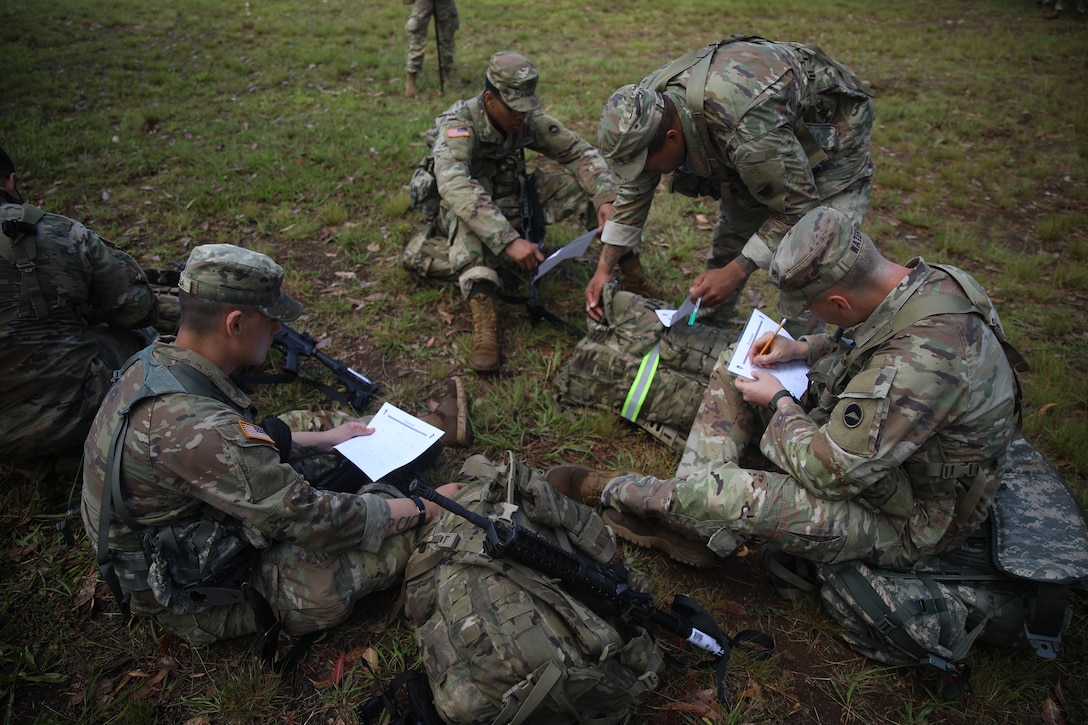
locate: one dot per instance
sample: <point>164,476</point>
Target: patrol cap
<point>628,124</point>
<point>514,77</point>
<point>813,256</point>
<point>226,273</point>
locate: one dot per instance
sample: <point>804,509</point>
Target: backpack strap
<point>18,245</point>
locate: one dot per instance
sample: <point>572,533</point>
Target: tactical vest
<point>653,375</point>
<point>176,557</point>
<point>501,642</point>
<point>935,480</point>
<point>19,247</point>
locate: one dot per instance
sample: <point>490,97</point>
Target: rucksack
<point>502,643</point>
<point>630,363</point>
<point>1006,586</point>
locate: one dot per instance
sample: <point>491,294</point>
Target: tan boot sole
<point>653,535</point>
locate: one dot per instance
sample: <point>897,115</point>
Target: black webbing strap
<point>23,249</point>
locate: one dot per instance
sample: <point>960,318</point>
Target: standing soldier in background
<point>71,311</point>
<point>771,130</point>
<point>470,190</point>
<point>447,22</point>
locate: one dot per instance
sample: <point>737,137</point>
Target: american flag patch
<point>459,132</point>
<point>251,430</point>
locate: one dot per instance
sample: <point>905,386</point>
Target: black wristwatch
<point>422,512</point>
<point>783,393</point>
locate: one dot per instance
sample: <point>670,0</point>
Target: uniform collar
<point>167,353</point>
<point>907,287</point>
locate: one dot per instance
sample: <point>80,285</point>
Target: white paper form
<point>793,375</point>
<point>397,440</point>
<point>671,317</point>
<point>574,249</point>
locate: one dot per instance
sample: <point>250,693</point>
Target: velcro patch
<point>459,132</point>
<point>254,431</point>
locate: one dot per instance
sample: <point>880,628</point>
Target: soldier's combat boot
<point>633,279</point>
<point>580,483</point>
<point>451,415</point>
<point>410,85</point>
<point>485,354</point>
<point>655,535</point>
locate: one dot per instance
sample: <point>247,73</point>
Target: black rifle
<point>294,344</point>
<point>533,228</point>
<point>602,588</point>
<point>438,52</point>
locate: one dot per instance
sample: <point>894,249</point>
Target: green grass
<point>280,126</point>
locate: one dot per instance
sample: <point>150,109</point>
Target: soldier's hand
<point>781,349</point>
<point>758,392</point>
<point>593,294</point>
<point>525,255</point>
<point>716,285</point>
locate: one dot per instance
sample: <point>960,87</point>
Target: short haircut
<point>201,316</point>
<point>668,118</point>
<point>7,166</point>
<point>861,273</point>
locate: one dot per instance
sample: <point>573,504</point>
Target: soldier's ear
<point>8,183</point>
<point>232,323</point>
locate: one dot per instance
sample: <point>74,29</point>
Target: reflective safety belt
<point>640,387</point>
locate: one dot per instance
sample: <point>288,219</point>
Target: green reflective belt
<point>640,387</point>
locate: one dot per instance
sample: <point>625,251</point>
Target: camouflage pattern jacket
<point>758,97</point>
<point>938,392</point>
<point>187,457</point>
<point>51,381</point>
<point>477,168</point>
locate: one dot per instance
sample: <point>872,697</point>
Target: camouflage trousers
<point>448,250</point>
<point>308,590</point>
<point>418,27</point>
<point>713,499</point>
<point>740,216</point>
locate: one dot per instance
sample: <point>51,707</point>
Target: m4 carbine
<point>602,588</point>
<point>293,344</point>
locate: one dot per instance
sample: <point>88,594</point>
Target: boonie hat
<point>514,77</point>
<point>226,273</point>
<point>628,124</point>
<point>813,256</point>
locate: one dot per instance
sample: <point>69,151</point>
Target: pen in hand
<point>767,345</point>
<point>691,317</point>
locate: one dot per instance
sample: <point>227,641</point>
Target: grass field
<point>281,126</point>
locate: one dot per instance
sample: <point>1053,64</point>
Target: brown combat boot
<point>485,353</point>
<point>580,483</point>
<point>633,279</point>
<point>451,415</point>
<point>655,535</point>
<point>410,85</point>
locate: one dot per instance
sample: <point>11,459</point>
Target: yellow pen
<point>767,345</point>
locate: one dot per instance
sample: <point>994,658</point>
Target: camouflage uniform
<point>476,171</point>
<point>57,369</point>
<point>200,457</point>
<point>418,27</point>
<point>858,466</point>
<point>788,130</point>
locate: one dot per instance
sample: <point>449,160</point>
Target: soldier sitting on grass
<point>895,453</point>
<point>197,510</point>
